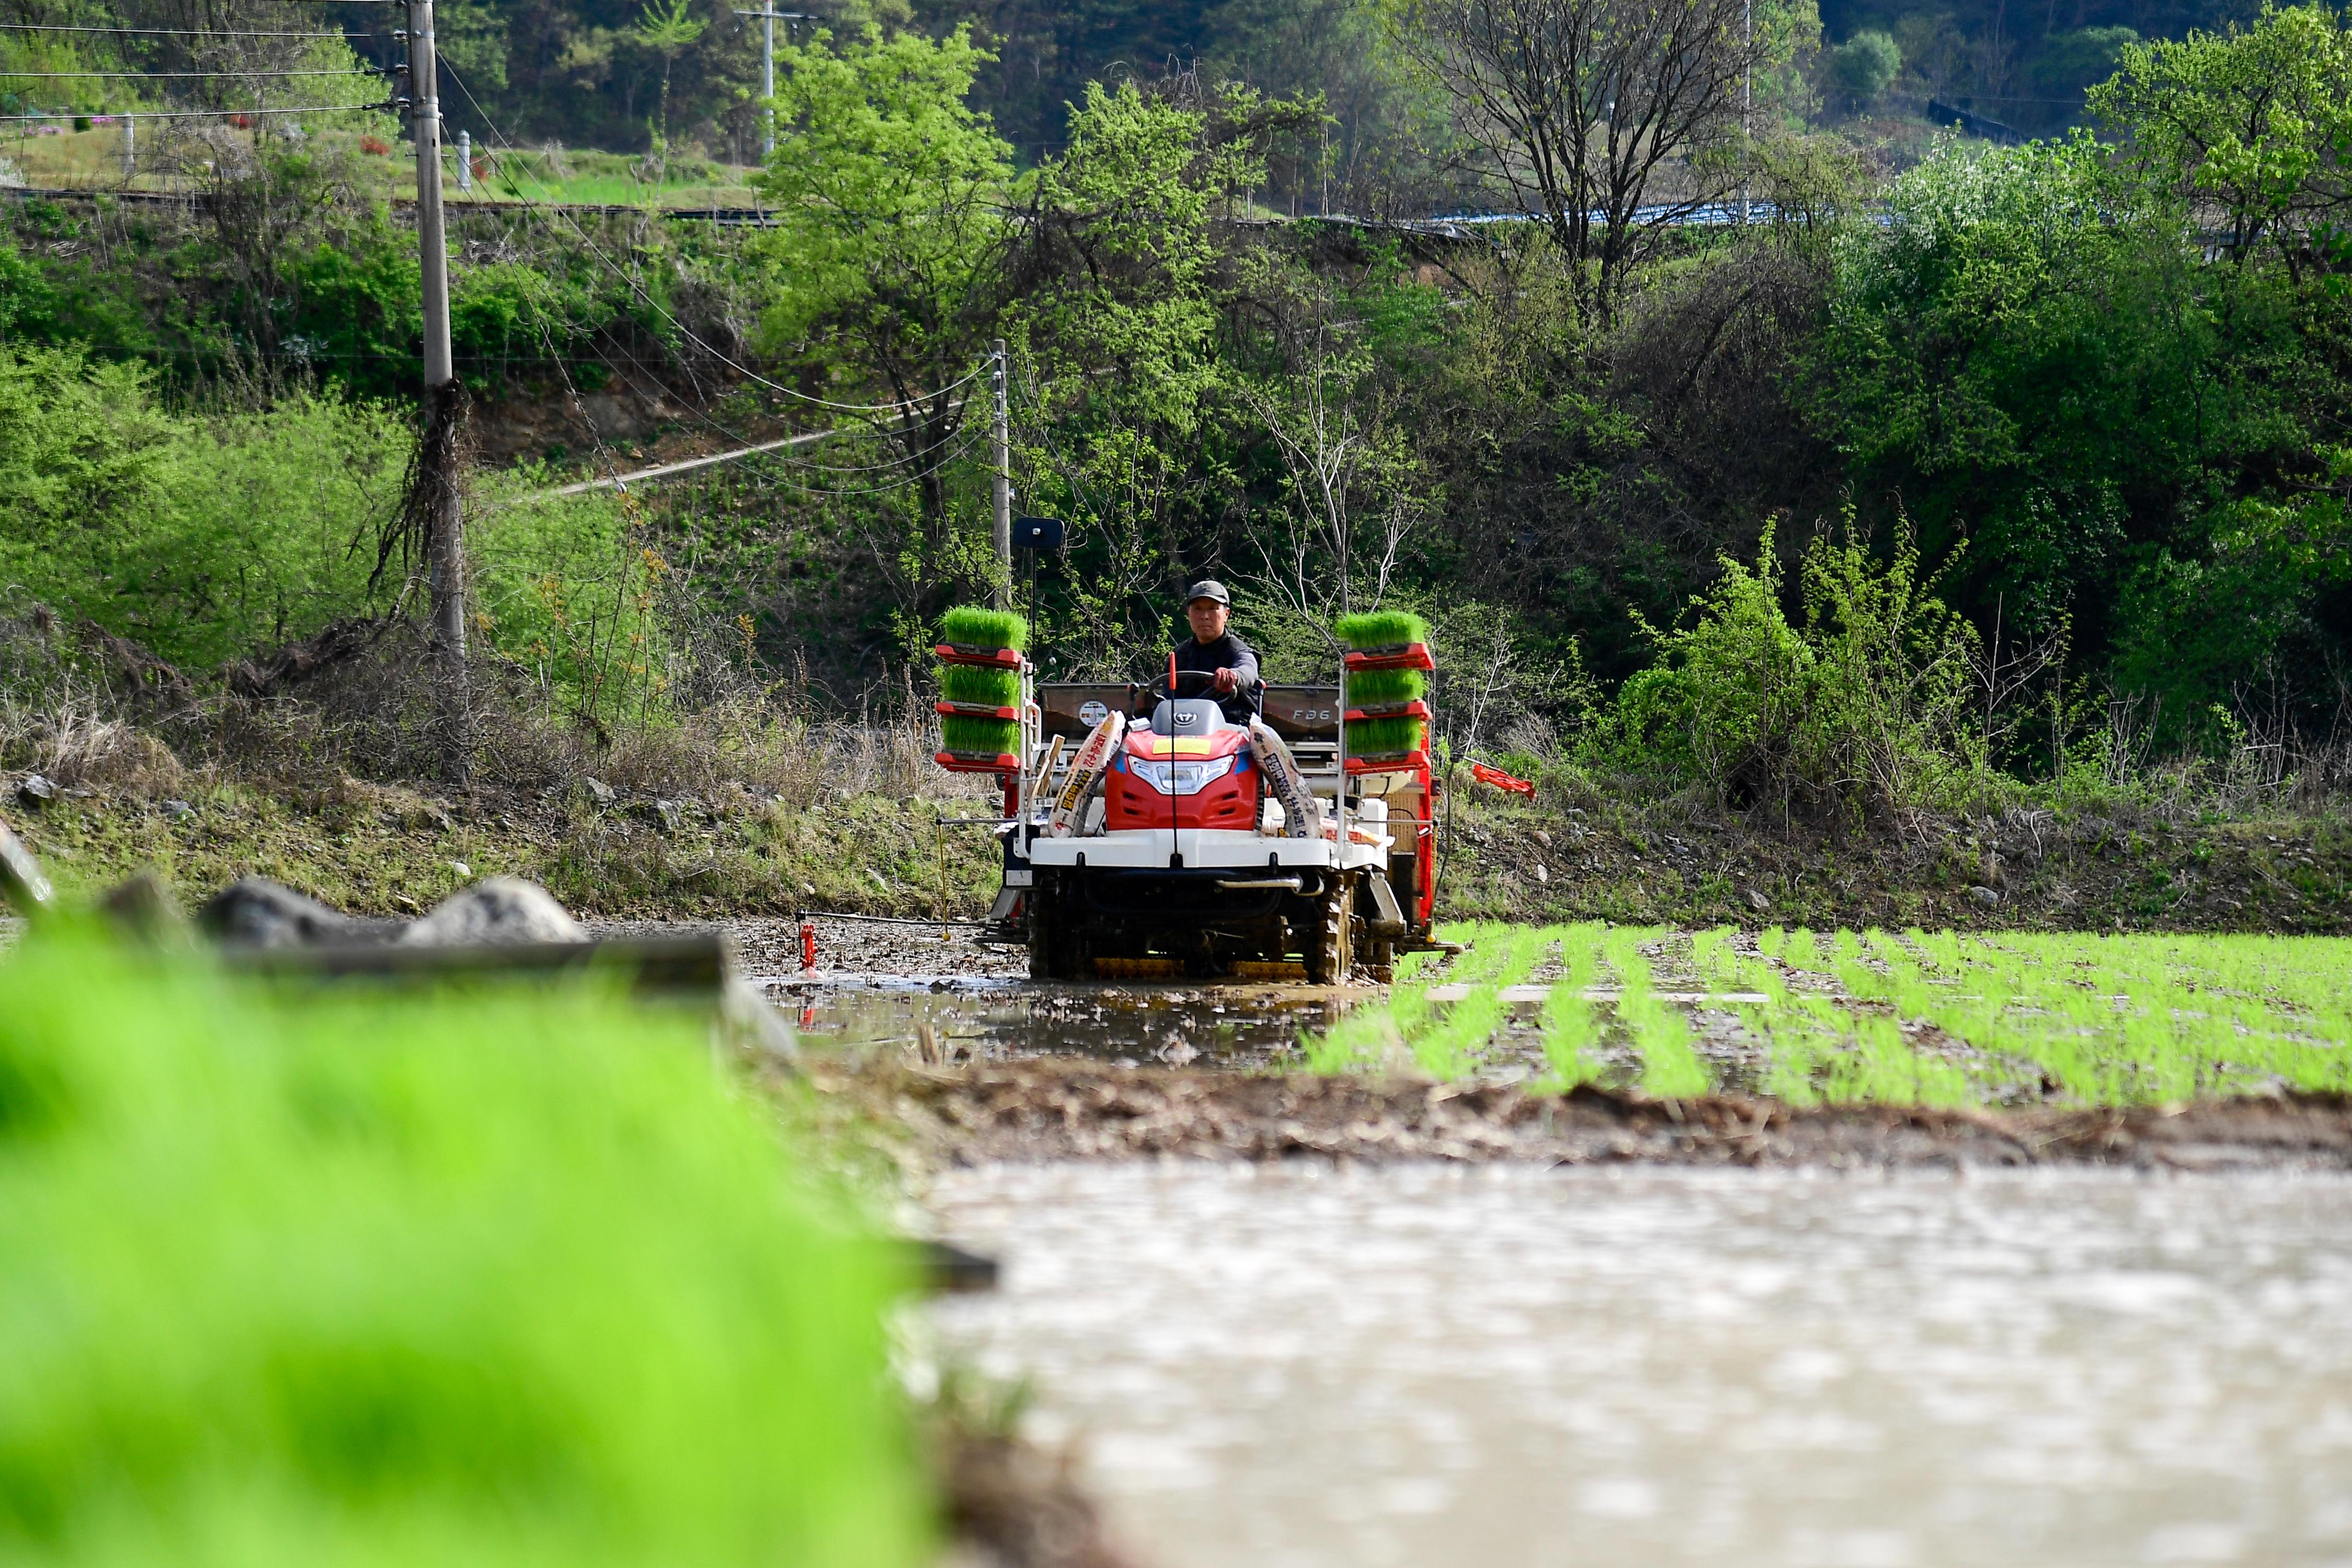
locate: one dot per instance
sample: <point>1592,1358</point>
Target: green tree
<point>1865,65</point>
<point>2257,121</point>
<point>2023,355</point>
<point>665,30</point>
<point>1128,378</point>
<point>894,219</point>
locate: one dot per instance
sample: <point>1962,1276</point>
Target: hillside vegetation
<point>2008,480</point>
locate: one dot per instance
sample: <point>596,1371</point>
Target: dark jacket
<point>1227,653</point>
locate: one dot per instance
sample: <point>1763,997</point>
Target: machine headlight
<point>1186,778</point>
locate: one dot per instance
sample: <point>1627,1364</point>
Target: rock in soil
<point>255,912</point>
<point>497,909</point>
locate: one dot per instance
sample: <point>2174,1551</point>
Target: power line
<point>162,32</point>
<point>212,113</point>
<point>177,75</point>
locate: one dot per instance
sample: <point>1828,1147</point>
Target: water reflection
<point>1505,1367</point>
<point>1239,1027</point>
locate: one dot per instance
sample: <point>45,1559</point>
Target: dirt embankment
<point>1680,862</point>
<point>1041,1110</point>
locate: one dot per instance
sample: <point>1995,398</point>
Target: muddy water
<point>995,1019</point>
<point>1306,1367</point>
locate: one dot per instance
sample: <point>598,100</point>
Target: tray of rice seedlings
<point>1388,661</point>
<point>969,634</point>
<point>978,706</point>
<point>1390,639</point>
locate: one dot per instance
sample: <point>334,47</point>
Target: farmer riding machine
<point>1147,835</point>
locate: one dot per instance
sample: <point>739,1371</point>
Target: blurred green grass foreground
<point>356,1279</point>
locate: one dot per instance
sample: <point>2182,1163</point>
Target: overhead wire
<point>654,305</point>
<point>179,76</point>
<point>164,32</point>
<point>214,113</point>
<point>965,439</point>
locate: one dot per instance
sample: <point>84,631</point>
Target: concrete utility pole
<point>1747,95</point>
<point>129,152</point>
<point>436,468</point>
<point>464,160</point>
<point>1003,456</point>
<point>769,17</point>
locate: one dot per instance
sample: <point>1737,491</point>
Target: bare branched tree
<point>1605,120</point>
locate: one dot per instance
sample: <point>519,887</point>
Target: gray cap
<point>1209,588</point>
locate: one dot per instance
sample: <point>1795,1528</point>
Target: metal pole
<point>1003,460</point>
<point>441,391</point>
<point>1747,95</point>
<point>464,160</point>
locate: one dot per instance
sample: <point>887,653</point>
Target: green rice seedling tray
<point>1396,656</point>
<point>1390,762</point>
<point>990,732</point>
<point>973,626</point>
<point>973,653</point>
<point>986,685</point>
<point>1376,629</point>
<point>1369,689</point>
<point>977,761</point>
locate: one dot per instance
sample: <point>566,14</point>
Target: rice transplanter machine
<point>1146,834</point>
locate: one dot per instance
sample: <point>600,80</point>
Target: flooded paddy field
<point>1300,1364</point>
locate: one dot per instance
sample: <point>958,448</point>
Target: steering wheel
<point>1188,683</point>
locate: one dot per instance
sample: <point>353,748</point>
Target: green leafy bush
<point>202,538</point>
<point>1866,65</point>
<point>1864,704</point>
<point>502,1277</point>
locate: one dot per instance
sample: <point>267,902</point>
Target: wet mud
<point>1058,1110</point>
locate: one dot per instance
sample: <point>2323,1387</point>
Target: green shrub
<point>204,539</point>
<point>502,1277</point>
<point>1382,628</point>
<point>980,627</point>
<point>1866,65</point>
<point>1866,704</point>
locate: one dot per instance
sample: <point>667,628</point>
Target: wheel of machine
<point>1056,952</point>
<point>1332,953</point>
<point>1041,912</point>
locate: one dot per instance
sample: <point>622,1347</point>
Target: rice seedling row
<point>1912,1017</point>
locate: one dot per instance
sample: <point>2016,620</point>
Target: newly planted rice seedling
<point>1922,1018</point>
<point>1661,1031</point>
<point>1569,1029</point>
<point>1505,955</point>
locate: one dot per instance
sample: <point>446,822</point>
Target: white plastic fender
<point>1302,813</point>
<point>1085,772</point>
